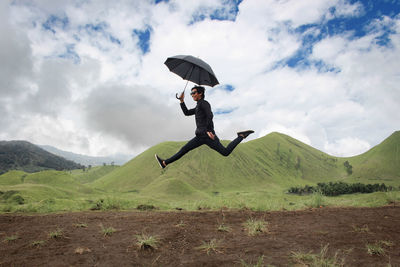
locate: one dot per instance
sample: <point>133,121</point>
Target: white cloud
<point>92,90</point>
<point>347,146</point>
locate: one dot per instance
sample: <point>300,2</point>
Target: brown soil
<point>181,233</point>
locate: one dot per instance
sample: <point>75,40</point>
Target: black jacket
<point>203,115</point>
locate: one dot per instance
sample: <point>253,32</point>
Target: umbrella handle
<point>184,89</point>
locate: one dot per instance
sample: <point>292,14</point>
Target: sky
<point>89,77</point>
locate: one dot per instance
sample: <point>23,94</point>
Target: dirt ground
<point>25,240</point>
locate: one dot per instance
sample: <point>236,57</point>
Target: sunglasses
<point>193,93</point>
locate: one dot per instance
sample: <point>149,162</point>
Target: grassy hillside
<point>92,174</point>
<point>22,155</point>
<point>40,190</point>
<point>275,160</point>
<point>256,175</point>
<point>380,163</point>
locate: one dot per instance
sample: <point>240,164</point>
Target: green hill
<point>42,187</point>
<point>257,175</point>
<point>93,173</point>
<point>273,160</point>
<point>381,162</point>
<point>22,155</point>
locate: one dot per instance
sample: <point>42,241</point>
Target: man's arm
<point>184,108</point>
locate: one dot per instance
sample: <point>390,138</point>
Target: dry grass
<point>145,242</point>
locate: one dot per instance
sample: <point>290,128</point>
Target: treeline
<point>340,188</point>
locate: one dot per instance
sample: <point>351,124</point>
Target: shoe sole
<point>159,163</point>
<point>245,133</point>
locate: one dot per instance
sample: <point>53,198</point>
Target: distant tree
<point>104,164</point>
<point>297,166</point>
<point>84,168</point>
<point>112,163</point>
<point>89,167</point>
<point>348,167</point>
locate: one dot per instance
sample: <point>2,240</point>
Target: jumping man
<point>205,133</point>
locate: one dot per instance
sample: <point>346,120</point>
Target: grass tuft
<point>377,247</point>
<point>316,260</point>
<point>317,200</point>
<point>224,228</point>
<point>361,229</point>
<point>108,231</point>
<point>37,243</point>
<point>145,242</point>
<point>180,224</point>
<point>56,234</point>
<point>82,250</point>
<point>11,238</point>
<point>255,227</point>
<point>81,225</point>
<point>210,246</point>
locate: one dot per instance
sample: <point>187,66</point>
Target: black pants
<point>201,140</point>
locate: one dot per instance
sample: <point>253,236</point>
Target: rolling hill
<point>257,174</point>
<point>381,162</point>
<point>273,160</point>
<point>22,155</point>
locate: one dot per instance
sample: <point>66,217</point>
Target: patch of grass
<point>377,248</point>
<point>11,238</point>
<point>180,224</point>
<point>392,197</point>
<point>37,243</point>
<point>316,260</point>
<point>255,227</point>
<point>387,243</point>
<point>361,229</point>
<point>56,234</point>
<point>224,228</point>
<point>108,231</point>
<point>145,242</point>
<point>81,250</point>
<point>81,225</point>
<point>317,200</point>
<point>209,247</point>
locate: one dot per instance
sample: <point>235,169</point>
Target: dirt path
<point>81,241</point>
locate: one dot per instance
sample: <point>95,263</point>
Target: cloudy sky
<point>88,76</point>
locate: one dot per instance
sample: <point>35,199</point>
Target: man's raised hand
<point>182,97</point>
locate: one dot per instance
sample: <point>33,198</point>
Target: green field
<point>257,175</point>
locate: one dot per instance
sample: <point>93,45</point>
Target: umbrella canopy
<point>192,69</point>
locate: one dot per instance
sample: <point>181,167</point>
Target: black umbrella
<point>192,69</point>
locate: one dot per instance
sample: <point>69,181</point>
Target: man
<point>205,133</point>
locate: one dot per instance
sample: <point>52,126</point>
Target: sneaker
<point>245,133</point>
<point>160,161</point>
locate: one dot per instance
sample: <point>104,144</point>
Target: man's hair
<point>200,90</point>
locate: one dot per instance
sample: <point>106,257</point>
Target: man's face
<point>195,95</point>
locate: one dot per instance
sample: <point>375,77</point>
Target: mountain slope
<point>22,155</point>
<point>274,160</point>
<point>380,162</point>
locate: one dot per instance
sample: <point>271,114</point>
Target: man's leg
<point>192,144</point>
<point>225,151</point>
